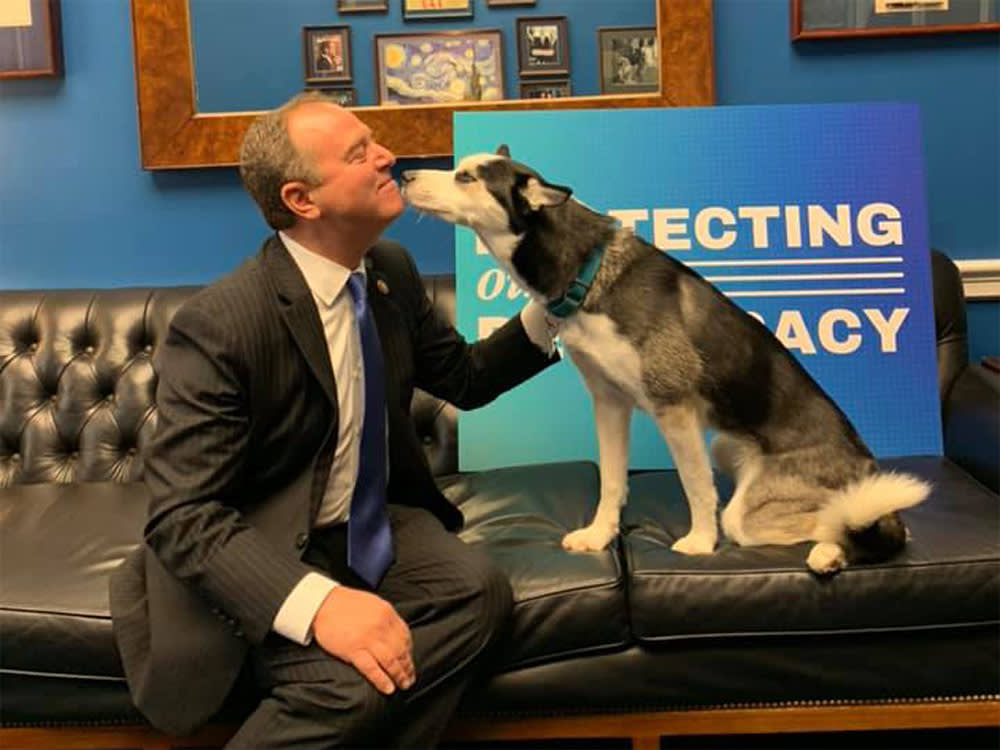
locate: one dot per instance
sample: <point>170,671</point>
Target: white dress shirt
<point>327,281</point>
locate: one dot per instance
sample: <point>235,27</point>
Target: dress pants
<point>457,605</point>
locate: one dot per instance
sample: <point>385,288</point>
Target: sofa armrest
<point>971,415</point>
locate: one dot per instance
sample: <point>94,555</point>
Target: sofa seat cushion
<point>566,604</point>
<point>58,545</point>
<point>948,576</point>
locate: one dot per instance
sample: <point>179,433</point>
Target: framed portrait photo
<point>545,89</point>
<point>543,46</point>
<point>362,6</point>
<point>327,51</point>
<point>345,97</point>
<point>629,59</point>
<point>439,67</point>
<point>420,9</point>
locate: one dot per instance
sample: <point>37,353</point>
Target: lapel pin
<point>382,286</point>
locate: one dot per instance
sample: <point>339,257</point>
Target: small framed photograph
<point>362,6</point>
<point>629,60</point>
<point>345,97</point>
<point>501,3</point>
<point>441,67</point>
<point>545,89</point>
<point>327,51</point>
<point>543,46</point>
<point>419,9</point>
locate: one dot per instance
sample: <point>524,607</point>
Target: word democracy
<point>719,228</point>
<point>836,331</point>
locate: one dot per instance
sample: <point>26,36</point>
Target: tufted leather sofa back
<point>77,383</point>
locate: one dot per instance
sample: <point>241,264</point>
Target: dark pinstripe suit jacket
<point>243,447</point>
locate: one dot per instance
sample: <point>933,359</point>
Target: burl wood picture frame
<point>174,134</point>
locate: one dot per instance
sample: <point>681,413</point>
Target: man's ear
<point>540,194</point>
<point>295,196</point>
<point>503,150</point>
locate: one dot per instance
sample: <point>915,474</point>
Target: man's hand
<point>540,326</point>
<point>366,632</point>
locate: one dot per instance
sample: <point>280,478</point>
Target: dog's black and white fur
<point>652,334</point>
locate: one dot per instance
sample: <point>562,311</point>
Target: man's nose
<point>386,155</point>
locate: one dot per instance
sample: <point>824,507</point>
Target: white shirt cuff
<point>540,326</point>
<point>295,618</point>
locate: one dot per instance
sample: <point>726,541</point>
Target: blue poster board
<point>813,218</point>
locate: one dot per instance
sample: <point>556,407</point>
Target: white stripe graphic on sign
<point>816,292</point>
<point>792,262</point>
<point>807,277</point>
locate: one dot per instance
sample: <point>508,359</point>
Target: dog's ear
<point>540,194</point>
<point>503,150</point>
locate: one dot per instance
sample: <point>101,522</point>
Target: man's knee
<point>355,717</point>
<point>493,599</point>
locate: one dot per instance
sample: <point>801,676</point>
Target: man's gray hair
<point>268,160</point>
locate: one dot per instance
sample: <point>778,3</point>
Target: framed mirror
<point>174,134</point>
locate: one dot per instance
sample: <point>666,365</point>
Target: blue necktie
<point>369,539</point>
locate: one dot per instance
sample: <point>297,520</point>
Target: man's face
<point>356,183</point>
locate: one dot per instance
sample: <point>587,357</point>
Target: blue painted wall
<point>76,209</point>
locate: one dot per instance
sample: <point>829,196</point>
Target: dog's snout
<point>408,176</point>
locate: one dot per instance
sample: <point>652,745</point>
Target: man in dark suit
<point>329,58</point>
<point>293,517</point>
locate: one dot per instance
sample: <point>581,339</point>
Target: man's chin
<point>393,208</point>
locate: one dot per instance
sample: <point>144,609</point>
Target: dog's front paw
<point>588,539</point>
<point>826,558</point>
<point>695,544</point>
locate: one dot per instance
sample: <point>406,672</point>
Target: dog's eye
<point>464,177</point>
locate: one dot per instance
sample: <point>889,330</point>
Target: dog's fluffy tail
<point>863,517</point>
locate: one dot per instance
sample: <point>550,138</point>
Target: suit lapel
<point>299,311</point>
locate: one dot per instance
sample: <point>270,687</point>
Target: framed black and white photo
<point>362,6</point>
<point>327,51</point>
<point>629,60</point>
<point>556,89</point>
<point>345,97</point>
<point>543,46</point>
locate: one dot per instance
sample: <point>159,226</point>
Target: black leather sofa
<point>635,641</point>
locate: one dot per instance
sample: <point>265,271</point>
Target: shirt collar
<point>325,278</point>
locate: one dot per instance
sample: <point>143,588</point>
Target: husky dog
<point>647,332</point>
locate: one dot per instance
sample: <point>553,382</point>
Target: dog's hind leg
<point>612,414</point>
<point>682,429</point>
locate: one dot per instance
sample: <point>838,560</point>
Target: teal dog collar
<point>571,300</point>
